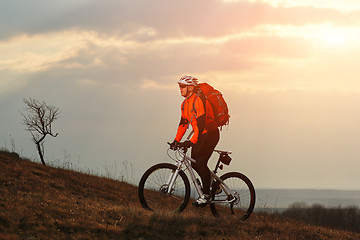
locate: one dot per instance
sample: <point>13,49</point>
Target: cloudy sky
<point>287,68</point>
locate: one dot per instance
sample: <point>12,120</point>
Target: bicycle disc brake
<point>164,189</point>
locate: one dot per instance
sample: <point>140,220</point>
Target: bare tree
<point>38,122</point>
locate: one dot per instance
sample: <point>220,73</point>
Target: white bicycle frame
<point>186,161</point>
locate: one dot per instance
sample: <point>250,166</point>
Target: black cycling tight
<point>201,152</point>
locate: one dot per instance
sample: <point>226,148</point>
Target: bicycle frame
<point>185,163</point>
<point>231,193</point>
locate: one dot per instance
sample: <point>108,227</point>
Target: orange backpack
<point>219,106</point>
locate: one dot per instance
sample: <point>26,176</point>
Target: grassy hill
<point>41,202</point>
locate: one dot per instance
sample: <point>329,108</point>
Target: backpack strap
<point>183,105</point>
<point>203,99</point>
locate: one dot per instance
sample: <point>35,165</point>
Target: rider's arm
<point>200,119</point>
<point>201,123</point>
<point>183,125</point>
<point>198,128</point>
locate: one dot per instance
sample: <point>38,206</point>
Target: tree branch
<point>39,121</point>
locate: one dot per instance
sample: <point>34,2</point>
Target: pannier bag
<point>226,159</point>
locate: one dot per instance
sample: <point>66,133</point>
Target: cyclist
<point>197,111</point>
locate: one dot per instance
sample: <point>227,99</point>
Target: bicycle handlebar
<point>178,145</point>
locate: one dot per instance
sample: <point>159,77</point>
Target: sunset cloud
<point>289,70</point>
<point>346,6</point>
<point>262,50</point>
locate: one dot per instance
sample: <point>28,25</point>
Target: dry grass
<point>40,202</point>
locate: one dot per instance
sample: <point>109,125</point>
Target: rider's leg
<point>202,151</point>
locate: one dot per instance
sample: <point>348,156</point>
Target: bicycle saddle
<point>223,152</point>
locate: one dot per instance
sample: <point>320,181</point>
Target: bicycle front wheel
<point>154,191</point>
<point>240,201</point>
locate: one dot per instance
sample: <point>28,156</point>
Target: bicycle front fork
<point>170,183</point>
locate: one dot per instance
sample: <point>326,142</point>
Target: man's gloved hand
<point>174,145</point>
<point>187,144</point>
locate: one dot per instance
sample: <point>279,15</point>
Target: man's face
<point>186,90</point>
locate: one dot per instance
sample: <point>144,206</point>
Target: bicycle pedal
<point>202,205</point>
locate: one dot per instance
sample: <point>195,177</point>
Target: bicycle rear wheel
<point>154,185</point>
<point>241,199</point>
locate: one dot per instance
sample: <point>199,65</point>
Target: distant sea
<point>267,199</point>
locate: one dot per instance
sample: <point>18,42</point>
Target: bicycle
<point>165,187</point>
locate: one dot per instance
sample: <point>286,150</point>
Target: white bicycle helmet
<point>188,80</point>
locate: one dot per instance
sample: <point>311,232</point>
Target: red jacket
<point>197,111</point>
